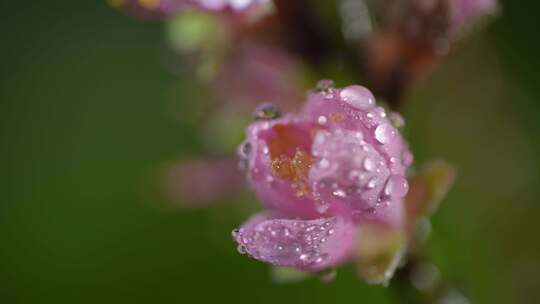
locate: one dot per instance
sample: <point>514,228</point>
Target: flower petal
<point>309,245</point>
<point>289,134</point>
<point>427,188</point>
<point>379,251</point>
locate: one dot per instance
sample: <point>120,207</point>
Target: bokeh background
<point>90,115</point>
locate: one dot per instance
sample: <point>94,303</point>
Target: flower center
<point>289,148</point>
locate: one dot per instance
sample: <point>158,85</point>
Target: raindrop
<point>325,85</point>
<point>304,257</point>
<point>357,97</point>
<point>384,133</point>
<point>372,183</point>
<point>266,111</point>
<point>396,186</point>
<point>324,163</point>
<point>244,150</point>
<point>241,249</point>
<point>369,164</point>
<point>339,193</point>
<point>397,120</point>
<point>407,158</point>
<point>322,120</point>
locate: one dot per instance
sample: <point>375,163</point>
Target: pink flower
<point>160,8</point>
<point>201,182</point>
<point>338,165</point>
<point>465,12</point>
<point>256,73</point>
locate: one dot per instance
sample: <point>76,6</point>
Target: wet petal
<point>278,165</point>
<point>309,245</point>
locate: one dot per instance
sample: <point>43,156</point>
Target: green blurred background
<point>85,126</point>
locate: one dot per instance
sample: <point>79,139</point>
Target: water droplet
<point>396,186</point>
<point>322,120</point>
<point>321,207</point>
<point>358,97</point>
<point>324,85</point>
<point>244,150</point>
<point>385,133</point>
<point>407,158</point>
<point>324,163</point>
<point>339,193</point>
<point>372,183</point>
<point>354,175</point>
<point>369,164</point>
<point>397,120</point>
<point>371,210</point>
<point>241,249</point>
<point>304,257</point>
<point>266,111</point>
<point>382,112</point>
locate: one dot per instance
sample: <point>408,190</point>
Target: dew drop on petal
<point>339,193</point>
<point>357,97</point>
<point>397,120</point>
<point>372,183</point>
<point>324,163</point>
<point>396,186</point>
<point>322,120</point>
<point>325,85</point>
<point>266,111</point>
<point>369,164</point>
<point>304,257</point>
<point>244,150</point>
<point>407,158</point>
<point>241,249</point>
<point>384,133</point>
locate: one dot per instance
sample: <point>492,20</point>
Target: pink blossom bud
<point>339,162</point>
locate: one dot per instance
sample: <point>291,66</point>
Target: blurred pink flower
<point>466,12</point>
<point>160,8</point>
<point>322,174</point>
<point>256,73</point>
<point>201,182</point>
